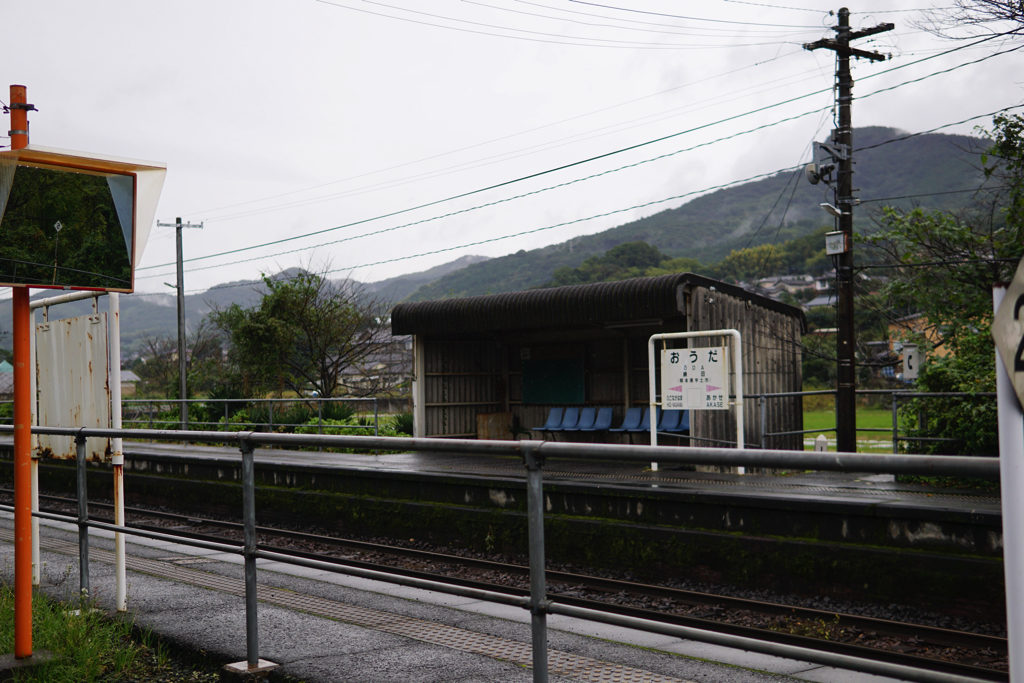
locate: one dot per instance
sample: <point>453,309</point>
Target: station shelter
<point>494,366</point>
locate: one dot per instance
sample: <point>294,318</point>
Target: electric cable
<point>731,36</point>
<point>505,183</point>
<point>645,23</point>
<point>899,138</point>
<point>614,44</point>
<point>976,43</point>
<point>690,18</point>
<point>659,93</point>
<point>493,203</point>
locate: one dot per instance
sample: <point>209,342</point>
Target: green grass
<point>867,418</point>
<point>86,645</point>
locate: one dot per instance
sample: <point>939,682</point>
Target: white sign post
<point>696,379</point>
<point>1008,332</point>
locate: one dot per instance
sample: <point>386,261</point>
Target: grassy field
<point>867,418</point>
<point>88,646</point>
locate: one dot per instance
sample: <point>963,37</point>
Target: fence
<point>533,454</point>
<point>896,397</point>
<point>265,413</point>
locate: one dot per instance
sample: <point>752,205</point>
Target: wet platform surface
<point>836,487</point>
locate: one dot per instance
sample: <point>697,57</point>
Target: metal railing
<point>533,454</point>
<point>896,396</point>
<point>164,413</point>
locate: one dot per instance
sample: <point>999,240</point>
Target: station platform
<point>321,626</point>
<point>878,490</point>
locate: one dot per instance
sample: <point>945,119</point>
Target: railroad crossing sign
<point>1008,331</point>
<point>694,379</point>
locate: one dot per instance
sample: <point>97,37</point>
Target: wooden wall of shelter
<point>493,366</point>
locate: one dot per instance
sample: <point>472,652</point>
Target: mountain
<point>146,316</point>
<point>399,288</point>
<point>927,170</point>
<point>930,171</point>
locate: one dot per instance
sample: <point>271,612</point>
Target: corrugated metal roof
<point>603,303</point>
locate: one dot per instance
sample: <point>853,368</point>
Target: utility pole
<point>182,391</point>
<point>22,330</point>
<point>842,150</point>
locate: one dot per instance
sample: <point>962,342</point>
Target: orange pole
<point>22,426</point>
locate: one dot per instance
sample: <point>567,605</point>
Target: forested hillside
<point>927,170</point>
<point>931,171</point>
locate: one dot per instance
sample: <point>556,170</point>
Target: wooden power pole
<point>182,389</point>
<point>842,151</point>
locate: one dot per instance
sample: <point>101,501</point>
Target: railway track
<point>958,652</point>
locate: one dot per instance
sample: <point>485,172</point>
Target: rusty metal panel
<point>72,385</point>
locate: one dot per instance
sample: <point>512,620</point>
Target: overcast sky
<point>380,126</point>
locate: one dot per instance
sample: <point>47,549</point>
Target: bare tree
<point>970,18</point>
<point>157,366</point>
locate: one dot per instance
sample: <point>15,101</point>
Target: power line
<point>659,24</point>
<point>503,157</point>
<point>570,165</point>
<point>968,46</point>
<point>613,26</point>
<point>659,93</point>
<point>771,6</point>
<point>691,18</point>
<point>941,193</point>
<point>545,37</point>
<point>512,198</point>
<point>391,229</point>
<point>508,182</point>
<point>692,193</point>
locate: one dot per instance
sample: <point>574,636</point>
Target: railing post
<point>83,516</point>
<point>319,415</point>
<point>270,416</point>
<point>763,405</point>
<point>249,520</point>
<point>253,667</point>
<point>376,417</point>
<point>538,589</point>
<point>895,424</point>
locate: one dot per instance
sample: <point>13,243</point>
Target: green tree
<point>631,259</point>
<point>944,266</point>
<point>751,263</point>
<point>305,333</point>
